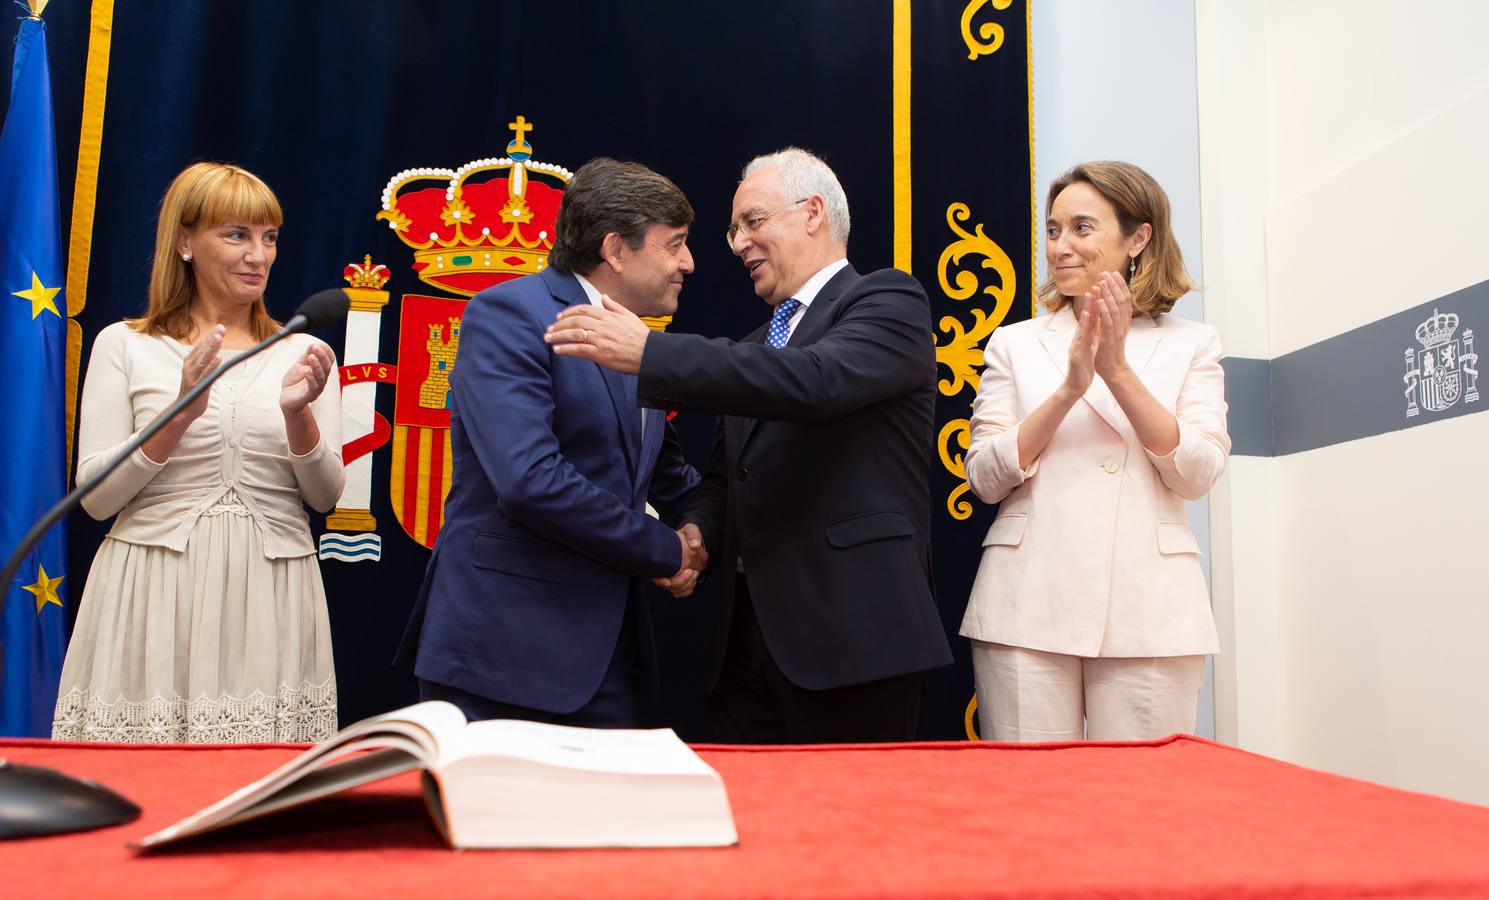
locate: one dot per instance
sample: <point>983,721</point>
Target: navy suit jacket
<point>820,478</point>
<point>545,532</point>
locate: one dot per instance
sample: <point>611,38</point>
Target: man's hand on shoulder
<point>614,336</point>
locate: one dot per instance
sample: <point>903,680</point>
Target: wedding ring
<point>586,335</point>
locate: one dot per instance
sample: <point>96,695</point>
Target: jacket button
<point>1111,465</point>
<point>744,472</point>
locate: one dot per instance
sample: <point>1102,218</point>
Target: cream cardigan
<point>239,443</point>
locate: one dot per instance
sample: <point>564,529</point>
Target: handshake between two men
<point>694,561</point>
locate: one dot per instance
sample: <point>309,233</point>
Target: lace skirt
<point>216,644</point>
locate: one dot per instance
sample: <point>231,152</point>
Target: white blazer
<point>1091,554</point>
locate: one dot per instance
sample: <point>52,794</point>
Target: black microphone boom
<point>318,311</point>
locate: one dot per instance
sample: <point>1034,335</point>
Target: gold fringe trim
<point>1033,193</point>
<point>84,198</point>
<point>900,116</point>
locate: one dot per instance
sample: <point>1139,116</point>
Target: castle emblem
<point>1443,369</point>
<point>434,393</point>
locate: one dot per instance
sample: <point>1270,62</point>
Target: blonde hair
<point>204,195</point>
<point>1160,279</point>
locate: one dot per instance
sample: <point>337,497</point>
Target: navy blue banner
<point>922,109</point>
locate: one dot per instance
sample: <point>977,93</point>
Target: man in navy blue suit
<point>532,603</point>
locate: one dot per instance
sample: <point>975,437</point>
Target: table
<point>1179,817</point>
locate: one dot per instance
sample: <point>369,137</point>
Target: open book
<point>503,783</point>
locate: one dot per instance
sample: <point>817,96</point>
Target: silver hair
<point>803,174</point>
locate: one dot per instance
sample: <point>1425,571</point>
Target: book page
<point>415,732</point>
<point>331,778</point>
<point>637,752</point>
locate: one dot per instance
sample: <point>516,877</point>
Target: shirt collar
<point>590,291</point>
<point>814,285</point>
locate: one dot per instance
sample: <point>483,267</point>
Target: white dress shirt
<point>590,291</point>
<point>809,292</point>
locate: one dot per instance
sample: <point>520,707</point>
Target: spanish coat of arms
<point>1443,370</point>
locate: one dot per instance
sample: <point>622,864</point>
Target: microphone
<point>318,311</point>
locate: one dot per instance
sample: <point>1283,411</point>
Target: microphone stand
<point>67,504</point>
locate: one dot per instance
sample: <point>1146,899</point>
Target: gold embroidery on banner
<point>959,430</point>
<point>991,33</point>
<point>961,354</point>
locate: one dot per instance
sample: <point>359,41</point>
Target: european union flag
<point>33,359</point>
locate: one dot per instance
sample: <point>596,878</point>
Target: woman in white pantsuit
<point>1092,426</point>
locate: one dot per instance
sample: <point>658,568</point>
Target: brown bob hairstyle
<point>204,195</point>
<point>1160,279</point>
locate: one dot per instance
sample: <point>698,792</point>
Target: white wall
<point>1234,168</point>
<point>1342,146</point>
<point>1117,81</point>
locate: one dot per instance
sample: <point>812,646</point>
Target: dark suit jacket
<point>545,527</point>
<point>820,478</point>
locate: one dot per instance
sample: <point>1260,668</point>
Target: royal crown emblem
<point>489,220</point>
<point>1443,369</point>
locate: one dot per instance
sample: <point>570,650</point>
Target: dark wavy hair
<point>608,195</point>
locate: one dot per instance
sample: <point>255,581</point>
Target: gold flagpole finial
<point>37,6</point>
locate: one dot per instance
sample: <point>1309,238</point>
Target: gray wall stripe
<point>1412,368</point>
<point>1248,391</point>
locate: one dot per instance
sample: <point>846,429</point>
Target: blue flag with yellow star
<point>33,356</point>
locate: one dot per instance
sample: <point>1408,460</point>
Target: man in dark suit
<point>531,606</point>
<point>816,507</point>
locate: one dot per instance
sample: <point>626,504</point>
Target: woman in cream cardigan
<point>1092,426</point>
<point>204,618</point>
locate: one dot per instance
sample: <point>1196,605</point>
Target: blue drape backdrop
<point>328,100</point>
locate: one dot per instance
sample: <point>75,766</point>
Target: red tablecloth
<point>1180,817</point>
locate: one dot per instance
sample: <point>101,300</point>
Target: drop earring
<point>1131,269</point>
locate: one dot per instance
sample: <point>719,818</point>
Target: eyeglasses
<point>752,221</point>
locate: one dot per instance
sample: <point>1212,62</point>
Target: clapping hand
<point>202,361</point>
<point>1112,302</point>
<point>1083,348</point>
<point>694,561</point>
<point>1100,343</point>
<point>306,378</point>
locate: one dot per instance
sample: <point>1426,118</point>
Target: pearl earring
<point>186,257</point>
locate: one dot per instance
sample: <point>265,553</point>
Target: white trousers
<point>1031,695</point>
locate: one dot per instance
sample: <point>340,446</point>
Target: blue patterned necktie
<point>780,323</point>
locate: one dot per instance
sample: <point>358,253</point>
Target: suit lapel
<point>1142,343</point>
<point>819,311</point>
<point>651,439</point>
<point>566,290</point>
<point>744,426</point>
<point>813,323</point>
